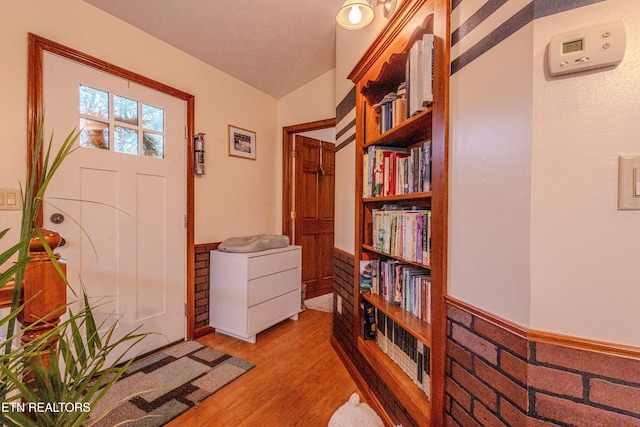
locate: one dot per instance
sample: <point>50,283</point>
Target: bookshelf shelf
<point>416,403</point>
<point>418,328</point>
<point>369,248</point>
<point>405,155</point>
<point>407,133</point>
<point>400,197</point>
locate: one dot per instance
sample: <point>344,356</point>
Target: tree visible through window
<point>137,128</point>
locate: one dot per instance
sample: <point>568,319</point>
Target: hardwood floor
<point>298,378</point>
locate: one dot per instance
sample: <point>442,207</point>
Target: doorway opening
<point>308,200</point>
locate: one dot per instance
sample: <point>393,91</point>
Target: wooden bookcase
<point>381,69</point>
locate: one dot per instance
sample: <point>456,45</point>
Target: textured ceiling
<point>275,46</point>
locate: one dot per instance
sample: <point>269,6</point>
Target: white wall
<point>236,196</point>
<point>535,234</point>
<point>489,176</point>
<point>584,257</point>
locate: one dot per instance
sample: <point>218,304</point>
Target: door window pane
<point>125,110</point>
<point>152,118</point>
<point>153,145</point>
<point>125,140</point>
<point>94,134</point>
<point>94,102</point>
<point>137,128</point>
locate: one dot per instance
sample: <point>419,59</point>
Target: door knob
<point>57,218</point>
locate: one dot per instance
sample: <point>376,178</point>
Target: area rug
<point>321,303</point>
<point>166,384</point>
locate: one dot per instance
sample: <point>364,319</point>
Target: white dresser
<point>249,292</point>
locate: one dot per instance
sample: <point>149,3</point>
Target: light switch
<point>629,182</point>
<point>10,199</point>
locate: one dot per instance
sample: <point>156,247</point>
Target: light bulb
<point>355,15</point>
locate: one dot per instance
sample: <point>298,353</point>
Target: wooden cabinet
<point>249,292</point>
<point>381,70</point>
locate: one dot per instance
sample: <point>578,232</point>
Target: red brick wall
<point>585,387</point>
<point>496,376</point>
<point>201,283</point>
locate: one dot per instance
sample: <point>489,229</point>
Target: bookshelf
<point>381,186</point>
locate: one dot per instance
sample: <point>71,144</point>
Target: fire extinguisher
<point>199,153</point>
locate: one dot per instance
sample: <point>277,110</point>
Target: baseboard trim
<point>202,331</point>
<point>366,392</point>
<point>533,335</point>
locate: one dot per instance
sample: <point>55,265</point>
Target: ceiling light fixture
<point>355,14</point>
<point>389,6</point>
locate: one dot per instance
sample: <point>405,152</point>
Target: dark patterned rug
<point>173,380</point>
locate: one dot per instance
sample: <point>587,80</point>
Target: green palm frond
<point>76,371</point>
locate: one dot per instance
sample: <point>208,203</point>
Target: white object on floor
<point>321,303</point>
<point>355,414</point>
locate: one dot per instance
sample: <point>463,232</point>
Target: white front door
<point>122,196</point>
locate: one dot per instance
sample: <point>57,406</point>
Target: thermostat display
<point>569,47</point>
<point>596,46</point>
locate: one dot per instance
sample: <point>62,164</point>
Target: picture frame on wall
<point>242,142</point>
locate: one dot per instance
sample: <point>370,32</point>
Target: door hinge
<point>293,214</point>
<point>185,309</point>
<point>185,221</point>
<point>293,153</point>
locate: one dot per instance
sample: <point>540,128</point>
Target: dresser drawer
<point>270,263</point>
<point>267,314</point>
<point>267,287</point>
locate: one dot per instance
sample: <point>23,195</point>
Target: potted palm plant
<point>43,384</point>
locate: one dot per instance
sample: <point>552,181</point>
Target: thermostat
<point>595,46</point>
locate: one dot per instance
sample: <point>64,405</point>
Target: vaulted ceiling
<point>275,46</point>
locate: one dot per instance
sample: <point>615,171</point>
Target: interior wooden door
<point>314,208</point>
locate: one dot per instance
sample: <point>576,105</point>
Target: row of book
<point>404,234</point>
<point>392,109</point>
<point>408,352</point>
<point>413,95</point>
<point>420,75</point>
<point>390,171</point>
<point>401,284</point>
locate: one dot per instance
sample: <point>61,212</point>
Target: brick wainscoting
<point>201,294</point>
<point>344,340</point>
<point>499,374</point>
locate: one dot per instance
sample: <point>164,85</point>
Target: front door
<point>121,196</point>
<point>314,207</point>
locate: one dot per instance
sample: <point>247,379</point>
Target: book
<point>366,273</point>
<point>426,65</point>
<point>368,319</point>
<point>419,75</point>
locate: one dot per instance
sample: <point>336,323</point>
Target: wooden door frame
<point>288,133</point>
<point>37,46</point>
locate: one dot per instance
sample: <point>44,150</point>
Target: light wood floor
<point>298,379</point>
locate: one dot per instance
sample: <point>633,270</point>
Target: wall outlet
<point>339,304</point>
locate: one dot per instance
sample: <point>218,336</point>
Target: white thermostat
<point>595,46</point>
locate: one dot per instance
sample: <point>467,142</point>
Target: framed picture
<point>242,143</point>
